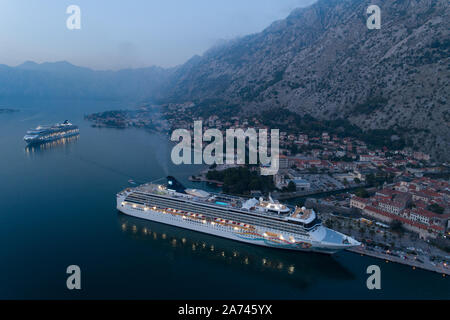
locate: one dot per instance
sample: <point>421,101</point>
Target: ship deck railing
<point>155,190</point>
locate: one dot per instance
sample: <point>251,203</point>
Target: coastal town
<point>392,198</point>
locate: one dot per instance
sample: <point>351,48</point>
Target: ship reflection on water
<point>63,143</point>
<point>300,269</point>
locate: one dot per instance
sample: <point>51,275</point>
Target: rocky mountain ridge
<point>324,61</point>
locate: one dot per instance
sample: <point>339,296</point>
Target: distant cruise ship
<point>44,134</point>
<point>261,222</point>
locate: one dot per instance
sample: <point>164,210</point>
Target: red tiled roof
<point>364,200</point>
<point>431,193</point>
<point>404,220</point>
<point>388,192</point>
<point>423,212</point>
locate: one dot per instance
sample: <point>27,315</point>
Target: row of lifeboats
<point>237,224</point>
<point>202,217</point>
<point>186,214</point>
<point>271,234</point>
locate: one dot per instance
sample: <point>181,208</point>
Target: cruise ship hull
<point>38,141</point>
<point>255,236</point>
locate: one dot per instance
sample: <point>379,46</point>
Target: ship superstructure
<point>257,221</point>
<point>44,134</point>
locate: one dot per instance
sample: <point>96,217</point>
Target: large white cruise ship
<point>265,223</point>
<point>43,134</point>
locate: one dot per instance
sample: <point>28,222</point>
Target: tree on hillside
<point>291,186</point>
<point>362,193</point>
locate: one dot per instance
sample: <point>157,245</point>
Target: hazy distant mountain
<point>62,79</point>
<point>54,67</point>
<point>324,61</point>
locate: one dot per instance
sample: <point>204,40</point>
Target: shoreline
<point>407,260</point>
<point>445,271</point>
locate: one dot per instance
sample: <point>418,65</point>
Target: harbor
<point>441,268</point>
<point>88,210</point>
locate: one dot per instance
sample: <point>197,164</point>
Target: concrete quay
<point>439,268</point>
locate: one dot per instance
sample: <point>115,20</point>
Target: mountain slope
<point>322,60</point>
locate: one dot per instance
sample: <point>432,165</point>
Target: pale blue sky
<point>120,34</point>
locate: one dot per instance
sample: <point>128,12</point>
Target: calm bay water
<point>58,209</point>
